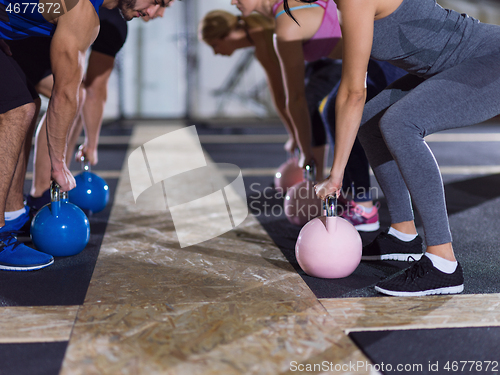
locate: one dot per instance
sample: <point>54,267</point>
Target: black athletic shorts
<point>33,56</point>
<point>112,34</point>
<point>15,90</point>
<point>33,53</point>
<point>321,76</point>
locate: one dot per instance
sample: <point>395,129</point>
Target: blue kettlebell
<point>60,228</point>
<point>91,192</point>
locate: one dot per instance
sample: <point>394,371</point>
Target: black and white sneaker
<point>387,247</point>
<point>422,279</point>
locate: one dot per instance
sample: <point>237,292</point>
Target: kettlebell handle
<point>85,163</point>
<point>310,171</point>
<point>56,194</point>
<point>57,197</point>
<point>331,205</point>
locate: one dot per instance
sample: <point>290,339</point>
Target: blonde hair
<point>217,24</point>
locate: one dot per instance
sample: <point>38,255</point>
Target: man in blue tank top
<point>33,56</point>
<point>73,26</point>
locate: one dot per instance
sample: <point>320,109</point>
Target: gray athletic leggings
<point>396,121</point>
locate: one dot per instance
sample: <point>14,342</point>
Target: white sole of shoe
<point>368,227</point>
<point>446,290</point>
<point>32,268</point>
<point>396,256</point>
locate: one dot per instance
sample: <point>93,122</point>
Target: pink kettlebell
<point>329,246</point>
<point>301,203</point>
<point>288,174</point>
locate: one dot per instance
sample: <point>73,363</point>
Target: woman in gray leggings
<point>453,63</point>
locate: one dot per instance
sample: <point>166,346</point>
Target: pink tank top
<point>328,34</point>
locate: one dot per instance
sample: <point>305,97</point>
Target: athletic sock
<point>13,215</point>
<point>402,236</point>
<point>444,265</point>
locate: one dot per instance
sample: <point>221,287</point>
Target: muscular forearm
<point>96,81</point>
<point>93,110</point>
<point>61,113</point>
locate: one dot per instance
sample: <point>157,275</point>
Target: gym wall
<point>163,71</point>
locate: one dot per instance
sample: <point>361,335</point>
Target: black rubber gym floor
<point>67,280</point>
<point>32,358</point>
<point>432,351</point>
<point>473,205</point>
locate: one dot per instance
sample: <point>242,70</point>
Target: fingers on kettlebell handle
<point>331,199</point>
<point>84,160</point>
<point>331,204</point>
<point>80,154</point>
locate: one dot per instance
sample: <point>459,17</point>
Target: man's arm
<point>96,81</point>
<point>75,31</point>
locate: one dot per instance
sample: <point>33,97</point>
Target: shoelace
<point>8,238</point>
<point>417,269</point>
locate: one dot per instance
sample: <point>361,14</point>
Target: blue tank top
<point>20,19</point>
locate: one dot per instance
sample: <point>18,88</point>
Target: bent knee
<point>397,127</point>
